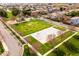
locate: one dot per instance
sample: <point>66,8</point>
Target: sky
<point>39,1</point>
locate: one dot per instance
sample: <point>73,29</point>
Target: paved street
<point>12,44</point>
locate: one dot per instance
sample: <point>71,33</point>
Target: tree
<point>26,51</point>
<point>3,13</point>
<point>15,11</point>
<point>73,13</point>
<point>26,11</point>
<point>61,9</point>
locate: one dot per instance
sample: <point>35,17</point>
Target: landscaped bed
<point>43,48</point>
<point>69,48</point>
<point>1,48</point>
<point>29,27</point>
<point>28,51</point>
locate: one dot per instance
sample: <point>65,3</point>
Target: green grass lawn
<point>29,27</point>
<point>1,48</point>
<point>69,48</point>
<point>43,48</point>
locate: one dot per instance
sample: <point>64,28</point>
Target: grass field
<point>43,48</point>
<point>1,48</point>
<point>29,27</point>
<point>69,48</point>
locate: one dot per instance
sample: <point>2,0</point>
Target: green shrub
<point>26,51</point>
